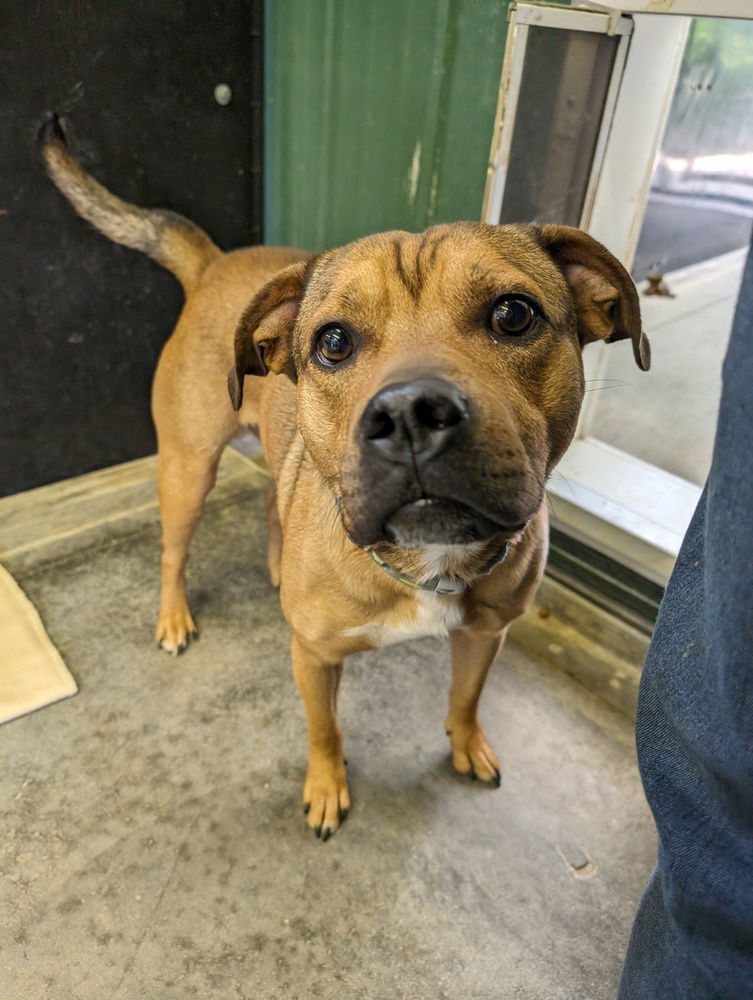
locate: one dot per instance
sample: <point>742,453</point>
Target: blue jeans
<point>693,933</point>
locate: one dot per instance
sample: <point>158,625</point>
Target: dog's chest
<point>435,614</point>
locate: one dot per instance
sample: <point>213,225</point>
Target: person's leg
<point>693,934</point>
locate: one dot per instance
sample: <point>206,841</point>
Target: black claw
<point>51,130</point>
<point>195,634</point>
<point>497,779</point>
<point>473,775</point>
<point>327,833</point>
<point>306,807</point>
<point>345,761</point>
<point>448,732</point>
<point>344,815</point>
<point>318,831</point>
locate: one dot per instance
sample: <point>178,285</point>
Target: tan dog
<point>421,390</point>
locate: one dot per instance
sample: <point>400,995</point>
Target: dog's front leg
<point>325,792</point>
<point>185,479</point>
<point>274,538</point>
<point>473,651</point>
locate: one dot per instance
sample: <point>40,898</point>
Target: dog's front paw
<point>471,754</point>
<point>325,796</point>
<point>174,630</point>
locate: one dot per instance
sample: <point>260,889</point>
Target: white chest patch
<point>436,614</point>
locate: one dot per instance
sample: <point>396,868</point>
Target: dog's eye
<point>512,317</point>
<point>333,345</point>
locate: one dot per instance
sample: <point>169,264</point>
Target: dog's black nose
<point>413,421</point>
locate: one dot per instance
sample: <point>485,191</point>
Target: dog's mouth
<point>443,521</point>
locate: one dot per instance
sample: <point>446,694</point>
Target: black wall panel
<point>82,321</point>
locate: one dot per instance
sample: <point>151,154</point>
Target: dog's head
<point>439,376</point>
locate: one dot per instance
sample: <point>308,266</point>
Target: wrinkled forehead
<point>457,269</point>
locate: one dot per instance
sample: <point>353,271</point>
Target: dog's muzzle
<point>415,455</point>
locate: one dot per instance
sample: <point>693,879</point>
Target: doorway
<point>666,186</point>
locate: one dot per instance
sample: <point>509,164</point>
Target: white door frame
<point>742,9</point>
<point>520,18</point>
<point>637,511</point>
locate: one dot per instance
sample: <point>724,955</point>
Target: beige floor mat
<point>53,522</point>
<point>32,672</point>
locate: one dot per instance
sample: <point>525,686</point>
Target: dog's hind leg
<point>185,479</point>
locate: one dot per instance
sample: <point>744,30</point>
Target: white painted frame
<point>742,9</point>
<point>631,510</point>
<point>521,16</point>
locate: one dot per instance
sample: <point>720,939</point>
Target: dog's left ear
<point>263,335</point>
<point>605,296</point>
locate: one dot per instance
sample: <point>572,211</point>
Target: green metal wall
<point>378,114</point>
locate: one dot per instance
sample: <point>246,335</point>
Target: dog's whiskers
<point>567,483</point>
<point>610,383</point>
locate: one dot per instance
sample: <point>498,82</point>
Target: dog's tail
<point>167,237</point>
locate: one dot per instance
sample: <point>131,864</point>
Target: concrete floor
<point>153,839</point>
<point>668,415</point>
<point>680,230</point>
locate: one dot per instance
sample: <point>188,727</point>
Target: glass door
<point>689,260</point>
<point>613,123</point>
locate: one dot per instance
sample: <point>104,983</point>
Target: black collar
<point>438,584</point>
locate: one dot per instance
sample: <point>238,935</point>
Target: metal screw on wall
<point>223,94</point>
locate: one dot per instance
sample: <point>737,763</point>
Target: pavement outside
<point>668,416</point>
<point>153,839</point>
<point>681,230</point>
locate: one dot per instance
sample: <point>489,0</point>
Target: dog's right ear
<point>263,335</point>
